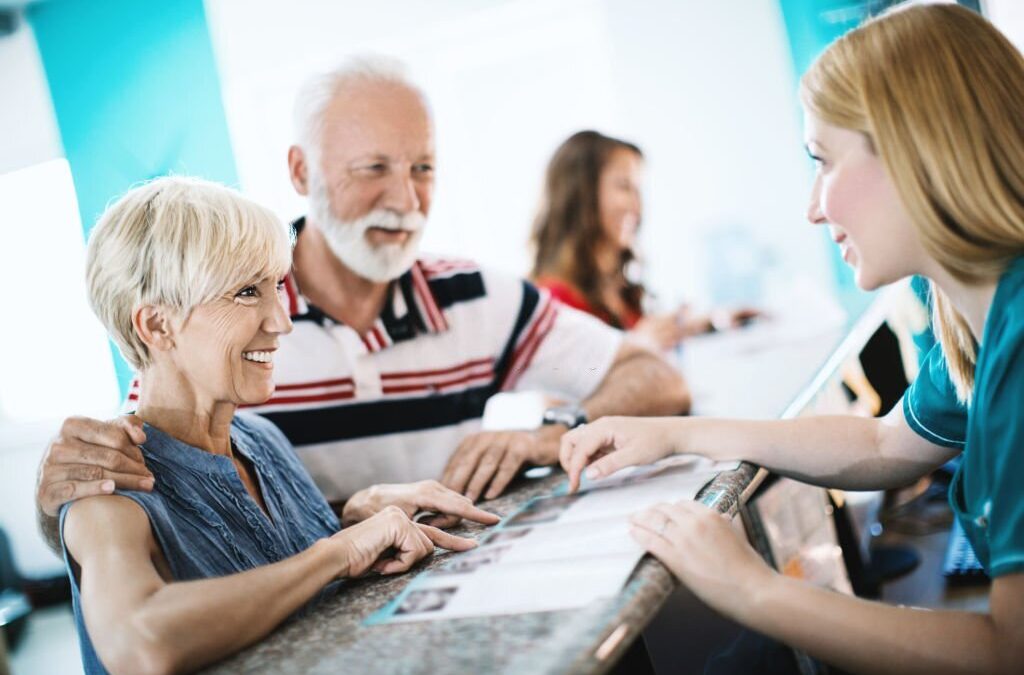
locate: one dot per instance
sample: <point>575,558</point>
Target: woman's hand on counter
<point>612,443</point>
<point>412,498</point>
<point>663,331</point>
<point>704,550</point>
<point>389,542</point>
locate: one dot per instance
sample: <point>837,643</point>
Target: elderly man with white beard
<point>393,357</point>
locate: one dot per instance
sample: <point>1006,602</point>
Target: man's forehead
<point>378,118</point>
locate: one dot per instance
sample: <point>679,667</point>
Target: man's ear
<point>298,170</point>
<point>153,325</point>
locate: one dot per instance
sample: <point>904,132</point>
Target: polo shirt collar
<point>411,309</point>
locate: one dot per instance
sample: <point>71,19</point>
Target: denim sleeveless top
<point>208,525</point>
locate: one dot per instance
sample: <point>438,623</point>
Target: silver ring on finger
<point>661,528</point>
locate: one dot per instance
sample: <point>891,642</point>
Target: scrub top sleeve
<point>930,405</point>
<point>1002,444</point>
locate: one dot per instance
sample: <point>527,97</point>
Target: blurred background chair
<point>14,604</point>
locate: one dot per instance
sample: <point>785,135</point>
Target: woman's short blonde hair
<point>178,243</point>
<point>939,93</point>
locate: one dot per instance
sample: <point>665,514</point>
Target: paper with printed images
<point>555,552</point>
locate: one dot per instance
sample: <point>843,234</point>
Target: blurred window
<point>56,359</point>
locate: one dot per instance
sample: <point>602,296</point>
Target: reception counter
<point>783,377</point>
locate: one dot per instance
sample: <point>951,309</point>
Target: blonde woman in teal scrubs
<point>916,124</point>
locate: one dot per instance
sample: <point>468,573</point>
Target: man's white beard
<point>347,240</point>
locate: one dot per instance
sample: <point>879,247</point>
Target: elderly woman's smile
<point>264,357</point>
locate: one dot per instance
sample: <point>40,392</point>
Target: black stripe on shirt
<point>410,324</point>
<point>457,288</point>
<point>378,418</point>
<point>531,298</point>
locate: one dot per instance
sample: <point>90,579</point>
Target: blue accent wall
<point>136,94</point>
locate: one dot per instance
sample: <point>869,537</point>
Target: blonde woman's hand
<point>389,542</point>
<point>704,550</point>
<point>612,443</point>
<point>412,498</point>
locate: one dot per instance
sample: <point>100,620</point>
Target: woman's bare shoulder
<point>97,523</point>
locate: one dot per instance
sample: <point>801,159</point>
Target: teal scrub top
<point>924,340</point>
<point>987,492</point>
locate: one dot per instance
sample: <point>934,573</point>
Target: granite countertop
<point>332,639</point>
<point>588,640</point>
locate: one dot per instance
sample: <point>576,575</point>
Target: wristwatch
<point>571,416</point>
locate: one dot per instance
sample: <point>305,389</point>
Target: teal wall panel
<point>811,26</point>
<point>136,95</point>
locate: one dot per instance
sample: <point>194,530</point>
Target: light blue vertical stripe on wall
<point>811,26</point>
<point>136,94</point>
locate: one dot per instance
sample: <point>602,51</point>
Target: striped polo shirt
<point>391,405</point>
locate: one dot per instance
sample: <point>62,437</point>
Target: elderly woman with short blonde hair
<point>234,537</point>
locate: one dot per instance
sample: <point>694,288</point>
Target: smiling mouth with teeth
<point>258,357</point>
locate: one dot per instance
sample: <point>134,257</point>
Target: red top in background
<point>569,295</point>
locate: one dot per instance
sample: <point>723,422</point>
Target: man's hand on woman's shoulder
<point>91,457</point>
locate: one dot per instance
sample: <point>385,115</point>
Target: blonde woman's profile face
<point>855,197</point>
<point>226,347</point>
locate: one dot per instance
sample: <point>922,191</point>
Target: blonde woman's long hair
<point>939,93</point>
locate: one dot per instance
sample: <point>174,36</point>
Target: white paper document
<point>512,588</point>
<point>555,552</point>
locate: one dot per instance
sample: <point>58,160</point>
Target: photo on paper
<point>544,510</point>
<point>472,560</point>
<point>426,600</point>
<point>632,475</point>
<point>507,535</point>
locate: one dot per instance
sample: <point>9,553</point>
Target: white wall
<point>55,356</point>
<point>706,90</point>
<point>29,126</point>
<point>57,362</point>
<point>1008,16</point>
<point>710,94</point>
